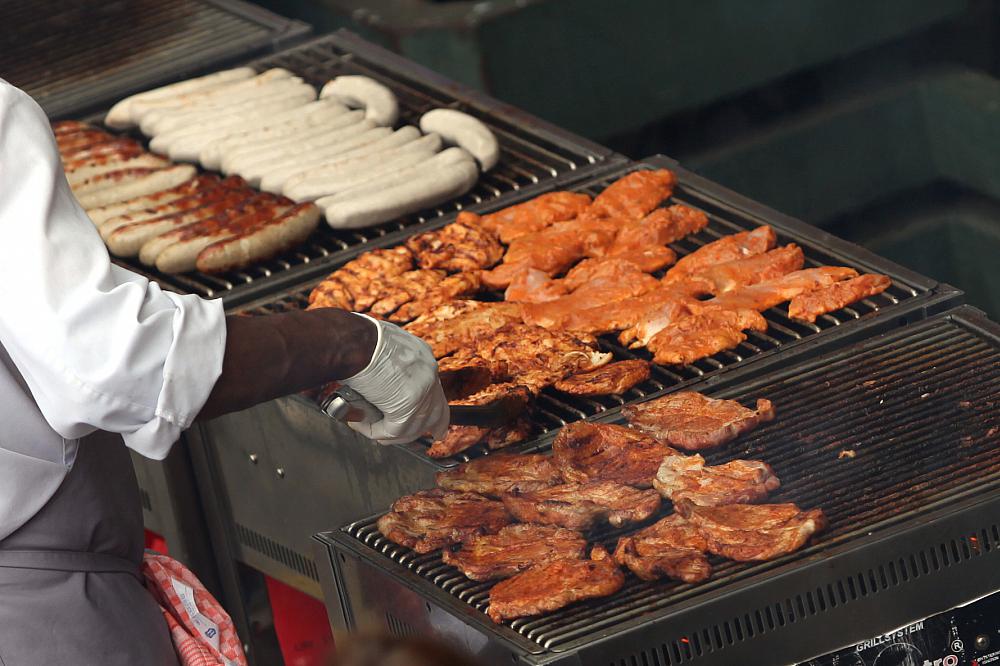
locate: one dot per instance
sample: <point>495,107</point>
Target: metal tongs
<point>349,406</point>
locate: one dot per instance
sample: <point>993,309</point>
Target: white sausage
<point>277,96</point>
<point>120,115</point>
<point>282,124</point>
<point>382,204</point>
<point>343,175</point>
<point>165,120</point>
<point>376,140</point>
<point>155,182</point>
<point>378,101</point>
<point>269,106</point>
<point>463,130</point>
<point>287,164</point>
<point>213,96</point>
<point>302,144</point>
<point>249,152</point>
<point>188,147</point>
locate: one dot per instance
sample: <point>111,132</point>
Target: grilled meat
<point>635,195</point>
<point>629,312</point>
<point>587,452</point>
<point>616,281</point>
<point>460,438</point>
<point>495,475</point>
<point>460,324</point>
<point>725,277</point>
<point>554,249</point>
<point>352,286</point>
<point>430,519</point>
<point>661,227</point>
<point>531,355</point>
<point>737,482</point>
<point>613,378</point>
<point>693,422</point>
<point>647,260</point>
<point>394,292</point>
<point>460,285</point>
<point>670,547</point>
<point>461,377</point>
<point>767,294</point>
<point>550,586</point>
<point>456,440</point>
<point>456,247</point>
<point>514,549</point>
<point>580,506</point>
<point>531,216</point>
<point>534,286</point>
<point>753,532</point>
<point>699,335</point>
<point>811,304</point>
<point>728,248</point>
<point>649,314</point>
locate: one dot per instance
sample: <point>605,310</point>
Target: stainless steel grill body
<point>913,520</point>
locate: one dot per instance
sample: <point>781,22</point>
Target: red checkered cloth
<point>202,632</point>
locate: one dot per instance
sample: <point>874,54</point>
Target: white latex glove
<point>402,381</point>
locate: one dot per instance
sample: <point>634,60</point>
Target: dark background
<point>879,121</point>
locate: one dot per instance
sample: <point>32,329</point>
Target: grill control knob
<point>982,642</point>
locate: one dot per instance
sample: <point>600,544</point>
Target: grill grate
<point>554,410</point>
<point>76,56</point>
<point>530,155</point>
<point>919,409</point>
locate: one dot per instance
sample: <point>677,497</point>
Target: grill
<point>913,520</point>
<point>728,215</point>
<point>76,56</point>
<point>533,154</point>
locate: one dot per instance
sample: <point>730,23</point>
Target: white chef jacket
<point>84,344</point>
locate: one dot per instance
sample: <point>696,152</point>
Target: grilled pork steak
<point>430,519</point>
<point>604,452</point>
<point>547,587</point>
<point>495,475</point>
<point>753,532</point>
<point>581,506</point>
<point>670,547</point>
<point>693,422</point>
<point>613,378</point>
<point>514,549</point>
<point>738,482</point>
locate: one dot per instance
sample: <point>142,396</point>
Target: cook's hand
<point>402,381</point>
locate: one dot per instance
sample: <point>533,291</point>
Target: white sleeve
<point>99,346</point>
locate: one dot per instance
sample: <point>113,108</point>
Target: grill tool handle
<point>349,406</point>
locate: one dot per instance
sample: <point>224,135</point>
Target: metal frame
<point>209,54</point>
<point>885,575</point>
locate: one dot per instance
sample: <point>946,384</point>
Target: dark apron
<point>70,587</point>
